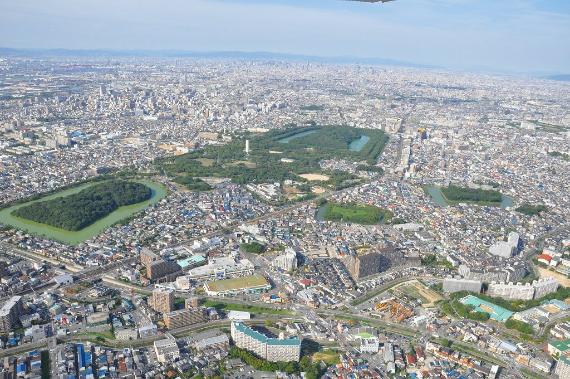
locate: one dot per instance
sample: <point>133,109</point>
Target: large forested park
<point>474,195</point>
<point>281,154</point>
<point>357,213</point>
<point>77,211</point>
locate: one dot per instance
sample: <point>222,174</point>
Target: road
<point>379,290</point>
<point>89,273</point>
<point>390,327</point>
<point>553,321</point>
<point>14,250</point>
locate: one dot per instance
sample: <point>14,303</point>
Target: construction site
<point>393,310</point>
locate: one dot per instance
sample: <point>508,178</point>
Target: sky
<point>525,36</point>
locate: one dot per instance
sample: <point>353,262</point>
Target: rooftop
<point>561,345</point>
<point>264,339</point>
<point>8,305</point>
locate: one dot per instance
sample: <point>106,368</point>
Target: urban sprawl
<point>195,218</point>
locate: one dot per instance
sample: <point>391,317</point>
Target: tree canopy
<point>79,210</point>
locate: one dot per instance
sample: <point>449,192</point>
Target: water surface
<point>296,135</point>
<point>358,144</point>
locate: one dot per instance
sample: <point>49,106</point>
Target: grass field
<point>330,357</point>
<point>106,335</point>
<point>206,162</point>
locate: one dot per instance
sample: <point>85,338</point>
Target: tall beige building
<point>183,317</point>
<point>162,300</point>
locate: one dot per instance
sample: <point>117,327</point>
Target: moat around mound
<point>127,200</point>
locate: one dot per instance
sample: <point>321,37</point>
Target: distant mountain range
<point>234,55</point>
<point>560,78</point>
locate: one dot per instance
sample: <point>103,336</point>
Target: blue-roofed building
<point>21,368</point>
<point>102,359</point>
<point>36,364</point>
<point>272,349</point>
<point>80,356</point>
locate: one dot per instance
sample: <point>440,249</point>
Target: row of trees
<point>531,210</point>
<point>558,154</point>
<point>455,308</point>
<point>517,305</point>
<point>311,370</point>
<point>562,294</point>
<point>76,211</point>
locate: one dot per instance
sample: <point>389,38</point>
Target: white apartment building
<point>286,261</point>
<point>272,349</point>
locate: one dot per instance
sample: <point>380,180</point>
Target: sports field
<point>497,313</point>
<point>252,281</point>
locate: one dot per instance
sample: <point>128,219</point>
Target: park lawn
<point>330,357</point>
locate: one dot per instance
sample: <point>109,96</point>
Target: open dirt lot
<point>315,177</point>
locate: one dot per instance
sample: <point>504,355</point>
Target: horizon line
<point>260,54</point>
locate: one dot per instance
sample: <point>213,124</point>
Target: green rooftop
<point>193,260</point>
<point>561,345</point>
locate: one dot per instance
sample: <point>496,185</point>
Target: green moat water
<point>76,237</point>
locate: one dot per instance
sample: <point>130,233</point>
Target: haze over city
<point>525,36</point>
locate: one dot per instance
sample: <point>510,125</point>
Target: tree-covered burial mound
<point>79,210</point>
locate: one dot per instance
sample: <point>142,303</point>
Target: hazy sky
<point>518,35</point>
